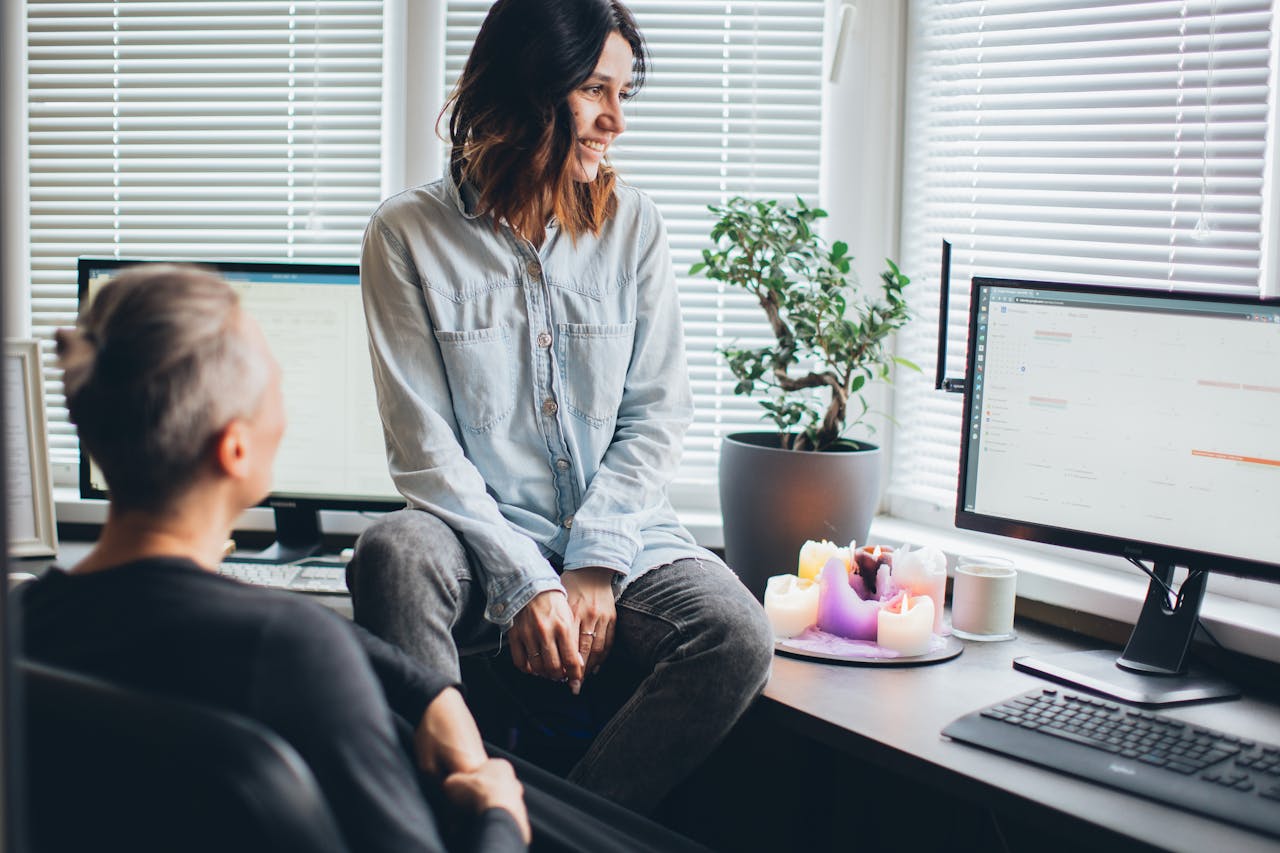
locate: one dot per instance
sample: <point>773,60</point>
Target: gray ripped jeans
<point>698,638</point>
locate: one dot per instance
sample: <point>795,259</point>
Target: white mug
<point>982,598</point>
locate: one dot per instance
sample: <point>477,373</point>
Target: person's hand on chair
<point>447,740</point>
<point>492,785</point>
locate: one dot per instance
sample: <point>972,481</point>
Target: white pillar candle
<point>923,571</point>
<point>905,624</point>
<point>791,603</point>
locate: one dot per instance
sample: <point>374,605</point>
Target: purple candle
<point>840,610</point>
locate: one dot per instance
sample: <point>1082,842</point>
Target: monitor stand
<point>298,536</point>
<point>1154,668</point>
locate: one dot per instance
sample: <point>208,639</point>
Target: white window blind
<point>731,106</point>
<point>196,131</point>
<point>1091,142</point>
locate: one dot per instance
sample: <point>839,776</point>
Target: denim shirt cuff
<point>605,548</point>
<point>502,610</point>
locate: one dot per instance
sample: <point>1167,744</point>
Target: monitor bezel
<point>1084,540</point>
<point>277,500</point>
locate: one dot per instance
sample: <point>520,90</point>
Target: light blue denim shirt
<point>535,400</point>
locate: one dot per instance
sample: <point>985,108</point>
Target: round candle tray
<point>828,648</point>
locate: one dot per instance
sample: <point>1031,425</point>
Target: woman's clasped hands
<point>566,636</point>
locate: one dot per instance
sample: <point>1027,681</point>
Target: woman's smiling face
<point>597,107</point>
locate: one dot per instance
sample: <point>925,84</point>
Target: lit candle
<point>791,603</point>
<point>905,625</point>
<point>870,557</point>
<point>923,571</point>
<point>840,610</point>
<point>870,577</point>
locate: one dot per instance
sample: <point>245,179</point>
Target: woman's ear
<point>231,450</point>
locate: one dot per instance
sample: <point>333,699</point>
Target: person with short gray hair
<point>175,393</point>
<point>157,365</point>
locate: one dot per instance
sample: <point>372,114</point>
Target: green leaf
<point>909,365</point>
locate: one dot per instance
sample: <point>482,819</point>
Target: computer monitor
<point>332,456</point>
<point>1130,422</point>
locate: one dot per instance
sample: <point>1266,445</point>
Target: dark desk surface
<point>892,717</point>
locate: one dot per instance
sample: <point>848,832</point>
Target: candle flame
<point>906,602</point>
<point>876,553</point>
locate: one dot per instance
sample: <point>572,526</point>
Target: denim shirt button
<point>562,464</point>
<point>499,609</point>
<point>544,339</point>
<point>534,270</point>
<point>568,522</point>
<point>549,406</point>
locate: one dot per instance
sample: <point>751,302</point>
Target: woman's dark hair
<point>511,128</point>
<point>157,365</point>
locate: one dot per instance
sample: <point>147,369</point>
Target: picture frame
<point>30,514</point>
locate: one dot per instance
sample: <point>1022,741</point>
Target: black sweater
<point>324,684</point>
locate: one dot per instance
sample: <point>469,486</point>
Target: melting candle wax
<point>840,610</point>
<point>923,571</point>
<point>905,624</point>
<point>814,555</point>
<point>791,603</point>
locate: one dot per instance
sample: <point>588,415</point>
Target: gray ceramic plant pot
<point>773,500</point>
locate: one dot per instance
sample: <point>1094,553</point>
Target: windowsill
<point>1053,579</point>
<point>1058,581</point>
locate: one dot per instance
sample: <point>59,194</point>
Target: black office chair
<point>110,768</point>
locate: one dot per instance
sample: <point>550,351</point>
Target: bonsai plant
<point>827,336</point>
<point>830,341</point>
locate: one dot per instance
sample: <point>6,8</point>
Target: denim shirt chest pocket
<point>478,363</point>
<point>593,361</point>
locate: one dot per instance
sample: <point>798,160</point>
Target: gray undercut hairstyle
<point>157,366</point>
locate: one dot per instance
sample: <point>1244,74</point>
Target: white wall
<point>15,259</point>
<point>862,152</point>
<point>412,80</point>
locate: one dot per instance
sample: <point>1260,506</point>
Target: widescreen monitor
<point>332,456</point>
<point>1131,422</point>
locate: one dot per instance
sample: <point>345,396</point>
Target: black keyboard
<point>1190,767</point>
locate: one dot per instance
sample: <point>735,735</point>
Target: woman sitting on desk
<point>532,381</point>
<point>175,394</point>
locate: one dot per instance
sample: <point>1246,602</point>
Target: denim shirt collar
<point>467,199</point>
<point>464,196</point>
